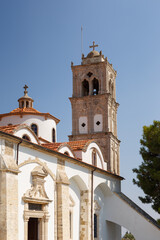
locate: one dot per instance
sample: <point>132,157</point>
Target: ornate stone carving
<point>37,191</point>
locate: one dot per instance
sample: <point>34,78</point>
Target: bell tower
<point>94,106</point>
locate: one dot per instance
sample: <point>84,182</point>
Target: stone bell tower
<point>94,106</point>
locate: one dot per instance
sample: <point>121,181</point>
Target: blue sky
<point>39,39</point>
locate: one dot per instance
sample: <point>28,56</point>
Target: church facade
<point>69,190</point>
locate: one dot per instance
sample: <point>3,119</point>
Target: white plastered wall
<point>20,133</point>
<point>74,192</point>
<point>87,155</point>
<point>25,181</point>
<point>45,126</point>
<point>64,149</point>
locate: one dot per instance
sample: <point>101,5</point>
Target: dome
<point>93,53</point>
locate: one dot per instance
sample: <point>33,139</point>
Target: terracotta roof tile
<point>22,110</point>
<point>74,145</point>
<point>27,111</point>
<point>9,129</point>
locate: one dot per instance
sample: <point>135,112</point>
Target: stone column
<point>9,193</point>
<point>62,202</point>
<point>43,229</point>
<point>46,227</point>
<point>9,205</point>
<point>26,219</point>
<point>85,215</point>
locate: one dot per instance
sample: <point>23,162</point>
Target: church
<point>71,190</point>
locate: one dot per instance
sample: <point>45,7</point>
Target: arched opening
<point>66,153</point>
<point>85,88</point>
<point>94,158</point>
<point>95,85</point>
<point>27,104</point>
<point>26,137</point>
<point>53,135</point>
<point>34,128</point>
<point>22,104</point>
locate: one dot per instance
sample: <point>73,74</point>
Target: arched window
<point>94,158</point>
<point>34,128</point>
<point>95,85</point>
<point>85,88</point>
<point>95,226</point>
<point>22,104</point>
<point>70,224</point>
<point>66,153</point>
<point>27,104</point>
<point>26,137</point>
<point>53,135</point>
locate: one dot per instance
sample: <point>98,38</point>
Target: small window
<point>95,226</point>
<point>34,128</point>
<point>26,137</point>
<point>66,153</point>
<point>22,104</point>
<point>27,104</point>
<point>53,135</point>
<point>95,85</point>
<point>89,74</point>
<point>36,207</point>
<point>85,88</point>
<point>94,158</point>
<point>70,225</point>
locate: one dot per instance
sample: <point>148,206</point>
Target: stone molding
<point>43,164</point>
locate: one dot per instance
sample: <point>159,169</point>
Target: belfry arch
<point>85,88</point>
<point>95,86</point>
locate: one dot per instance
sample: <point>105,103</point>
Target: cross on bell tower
<point>94,46</point>
<point>94,106</point>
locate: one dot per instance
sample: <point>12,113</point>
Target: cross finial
<point>25,87</point>
<point>93,46</point>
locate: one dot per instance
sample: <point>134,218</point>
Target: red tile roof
<point>9,129</point>
<point>22,110</point>
<point>31,111</point>
<point>74,145</point>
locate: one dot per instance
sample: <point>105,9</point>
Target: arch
<point>93,145</point>
<point>134,219</point>
<point>85,88</point>
<point>17,130</point>
<point>80,183</point>
<point>116,205</point>
<point>100,157</point>
<point>43,164</point>
<point>22,106</point>
<point>34,127</point>
<point>27,104</point>
<point>104,188</point>
<point>65,148</point>
<point>26,137</point>
<point>95,86</point>
<point>66,153</point>
<point>94,157</point>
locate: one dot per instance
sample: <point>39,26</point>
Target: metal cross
<point>25,87</point>
<point>93,46</point>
